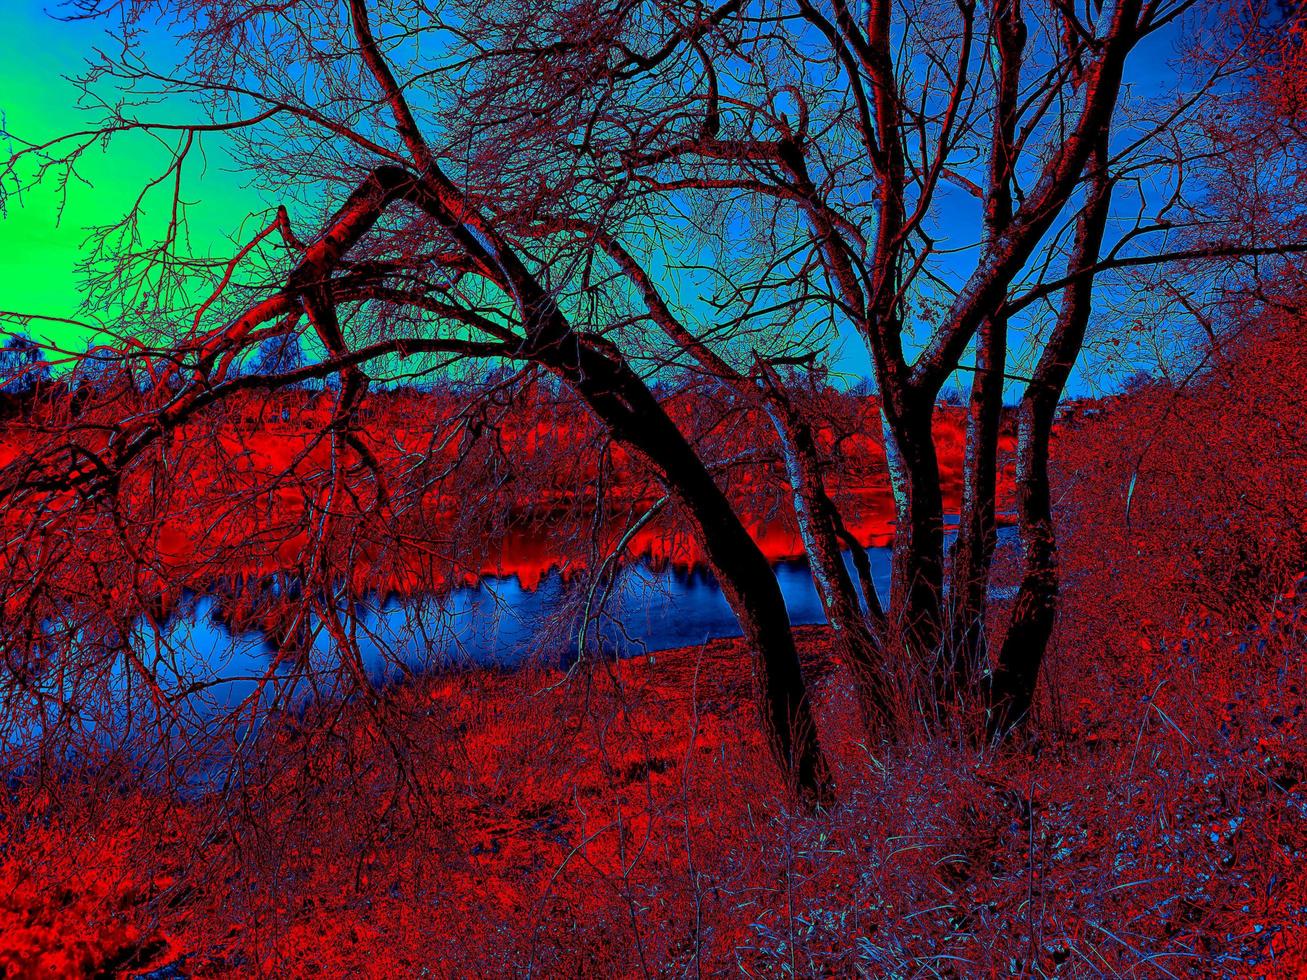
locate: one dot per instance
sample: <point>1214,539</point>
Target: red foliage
<point>624,821</point>
<point>519,484</point>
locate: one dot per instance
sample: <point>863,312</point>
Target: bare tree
<point>826,142</point>
<point>445,235</point>
<point>536,185</point>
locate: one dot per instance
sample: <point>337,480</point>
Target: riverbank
<point>435,501</point>
<point>625,818</point>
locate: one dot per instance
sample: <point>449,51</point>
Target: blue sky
<point>40,250</point>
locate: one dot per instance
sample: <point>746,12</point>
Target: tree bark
<point>858,638</point>
<point>965,648</point>
<point>1012,684</point>
<point>917,574</point>
<point>964,651</point>
<point>633,415</point>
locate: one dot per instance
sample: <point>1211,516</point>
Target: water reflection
<point>219,663</point>
<point>497,623</point>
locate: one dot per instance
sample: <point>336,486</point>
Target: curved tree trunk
<point>1013,683</point>
<point>624,403</point>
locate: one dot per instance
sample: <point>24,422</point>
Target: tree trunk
<point>964,651</point>
<point>635,418</point>
<point>1013,683</point>
<point>858,640</point>
<point>917,573</point>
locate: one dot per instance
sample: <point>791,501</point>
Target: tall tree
<point>852,144</point>
<point>537,184</point>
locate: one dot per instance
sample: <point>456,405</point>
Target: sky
<point>43,231</point>
<point>40,252</point>
<point>41,244</point>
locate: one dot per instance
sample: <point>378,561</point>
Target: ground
<point>624,820</point>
